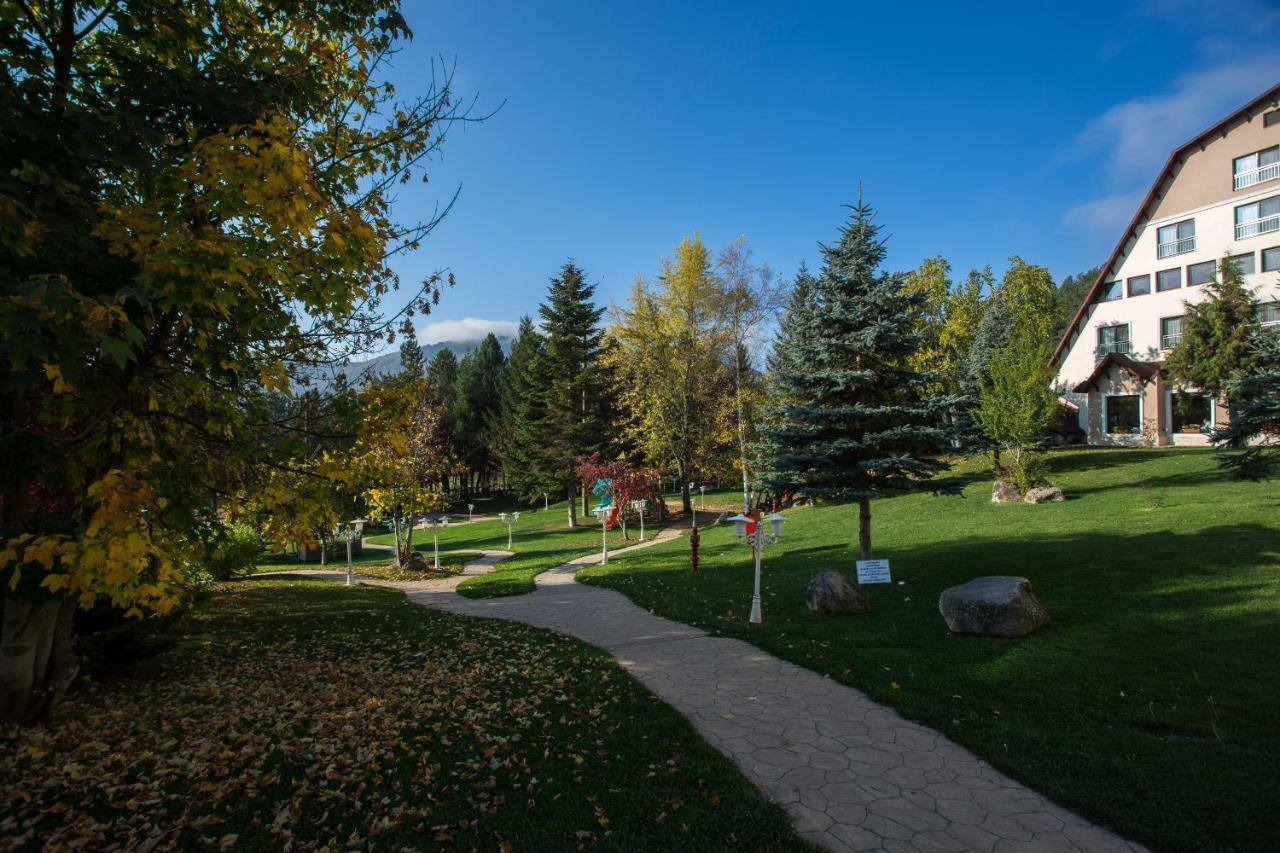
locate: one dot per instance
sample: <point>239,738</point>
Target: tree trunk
<point>586,507</point>
<point>395,523</point>
<point>864,528</point>
<point>37,662</point>
<point>573,505</point>
<point>685,503</point>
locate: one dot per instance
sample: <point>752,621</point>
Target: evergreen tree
<point>1070,293</point>
<point>1255,399</point>
<point>990,336</point>
<point>412,363</point>
<point>578,406</point>
<point>521,432</point>
<point>1217,336</point>
<point>442,373</point>
<point>476,408</point>
<point>852,418</point>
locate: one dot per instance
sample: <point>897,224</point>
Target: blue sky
<point>1028,129</point>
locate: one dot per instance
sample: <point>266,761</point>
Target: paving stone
<point>852,774</point>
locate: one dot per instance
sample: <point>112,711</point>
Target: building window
<point>1140,285</point>
<point>1170,332</point>
<point>1269,315</point>
<point>1176,238</point>
<point>1113,339</point>
<point>1123,413</point>
<point>1260,217</point>
<point>1170,279</point>
<point>1111,291</point>
<point>1255,168</point>
<point>1245,263</point>
<point>1271,118</point>
<point>1271,259</point>
<point>1190,413</point>
<point>1201,273</point>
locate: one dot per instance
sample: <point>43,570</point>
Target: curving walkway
<point>853,774</point>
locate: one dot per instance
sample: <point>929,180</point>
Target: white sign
<point>873,571</point>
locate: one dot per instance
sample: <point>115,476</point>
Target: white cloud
<point>1137,135</point>
<point>466,329</point>
<point>1104,214</point>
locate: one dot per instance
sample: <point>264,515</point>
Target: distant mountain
<point>389,363</point>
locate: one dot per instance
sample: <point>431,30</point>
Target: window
<point>1141,284</point>
<point>1269,314</point>
<point>1113,339</point>
<point>1271,259</point>
<point>1176,238</point>
<point>1170,332</point>
<point>1199,273</point>
<point>1271,118</point>
<point>1190,412</point>
<point>1111,291</point>
<point>1244,262</point>
<point>1260,217</point>
<point>1169,279</point>
<point>1123,414</point>
<point>1255,168</point>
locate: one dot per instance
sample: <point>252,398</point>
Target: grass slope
<point>542,540</point>
<point>1152,704</point>
<point>304,714</point>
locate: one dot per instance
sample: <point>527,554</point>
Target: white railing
<point>1176,247</point>
<point>1269,172</point>
<point>1170,341</point>
<point>1121,347</point>
<point>1265,225</point>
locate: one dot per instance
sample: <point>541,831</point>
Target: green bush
<point>235,552</point>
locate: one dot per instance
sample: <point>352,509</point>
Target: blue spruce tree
<point>849,420</point>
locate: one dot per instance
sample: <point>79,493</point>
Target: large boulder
<point>994,606</point>
<point>1043,494</point>
<point>833,592</point>
<point>1004,492</point>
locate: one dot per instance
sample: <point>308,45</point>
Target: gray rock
<point>1044,494</point>
<point>833,592</point>
<point>994,606</point>
<point>1005,493</point>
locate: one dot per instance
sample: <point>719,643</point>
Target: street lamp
<point>436,522</point>
<point>470,507</point>
<point>703,490</point>
<point>509,518</point>
<point>348,531</point>
<point>602,513</point>
<point>749,531</point>
<point>640,506</point>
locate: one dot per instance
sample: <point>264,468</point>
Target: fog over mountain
<point>389,363</point>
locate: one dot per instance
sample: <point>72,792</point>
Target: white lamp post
<point>436,522</point>
<point>640,506</point>
<point>348,531</point>
<point>602,513</point>
<point>470,507</point>
<point>703,491</point>
<point>509,518</point>
<point>751,532</point>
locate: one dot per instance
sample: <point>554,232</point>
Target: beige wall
<point>1205,177</point>
<point>1119,381</point>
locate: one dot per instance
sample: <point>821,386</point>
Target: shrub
<point>235,551</point>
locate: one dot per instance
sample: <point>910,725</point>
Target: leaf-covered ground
<point>303,715</point>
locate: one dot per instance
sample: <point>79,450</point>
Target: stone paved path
<point>853,774</point>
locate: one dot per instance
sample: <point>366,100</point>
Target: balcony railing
<point>1176,247</point>
<point>1121,347</point>
<point>1170,341</point>
<point>1253,228</point>
<point>1268,172</point>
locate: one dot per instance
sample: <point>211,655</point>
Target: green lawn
<point>309,714</point>
<point>373,563</point>
<point>1152,704</point>
<point>542,540</point>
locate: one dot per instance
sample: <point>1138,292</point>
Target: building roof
<point>1143,371</point>
<point>1270,96</point>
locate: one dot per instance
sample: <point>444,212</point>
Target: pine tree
<point>1255,399</point>
<point>1217,336</point>
<point>442,375</point>
<point>852,419</point>
<point>411,362</point>
<point>476,407</point>
<point>578,406</point>
<point>521,433</point>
